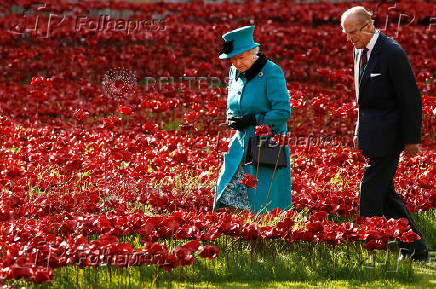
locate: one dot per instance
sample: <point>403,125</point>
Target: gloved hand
<point>241,122</point>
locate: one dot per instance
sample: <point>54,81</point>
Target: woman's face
<point>243,61</point>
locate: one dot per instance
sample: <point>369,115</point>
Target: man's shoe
<point>420,255</point>
<point>417,250</point>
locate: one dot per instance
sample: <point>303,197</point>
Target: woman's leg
<point>234,195</point>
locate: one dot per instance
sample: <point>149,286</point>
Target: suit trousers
<point>377,193</point>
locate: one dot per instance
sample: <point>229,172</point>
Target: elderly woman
<point>257,95</point>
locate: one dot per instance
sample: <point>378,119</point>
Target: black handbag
<point>269,152</point>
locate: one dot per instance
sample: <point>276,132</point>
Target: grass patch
<point>426,222</point>
<point>261,264</point>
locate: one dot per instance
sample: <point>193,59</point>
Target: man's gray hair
<point>359,11</point>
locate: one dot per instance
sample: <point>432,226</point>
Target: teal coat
<point>265,95</point>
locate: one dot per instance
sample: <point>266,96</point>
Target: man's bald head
<point>358,13</point>
<point>357,24</point>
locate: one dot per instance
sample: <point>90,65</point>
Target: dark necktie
<point>239,74</point>
<point>363,62</point>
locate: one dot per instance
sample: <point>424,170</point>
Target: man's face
<point>358,33</point>
<point>243,61</point>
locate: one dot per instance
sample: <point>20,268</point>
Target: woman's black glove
<point>241,122</point>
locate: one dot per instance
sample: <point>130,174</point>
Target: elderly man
<point>389,119</point>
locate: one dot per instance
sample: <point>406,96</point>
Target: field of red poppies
<point>112,137</point>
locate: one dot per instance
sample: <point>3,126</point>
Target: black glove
<point>241,122</point>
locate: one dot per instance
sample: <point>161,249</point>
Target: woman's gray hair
<point>254,50</point>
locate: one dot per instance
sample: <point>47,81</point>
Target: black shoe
<point>420,255</point>
<point>417,250</point>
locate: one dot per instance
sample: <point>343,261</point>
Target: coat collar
<point>379,43</point>
<point>372,60</point>
<point>254,69</point>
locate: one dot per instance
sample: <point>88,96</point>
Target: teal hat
<point>238,41</point>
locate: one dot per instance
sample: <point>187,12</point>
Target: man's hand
<point>355,141</point>
<point>411,149</point>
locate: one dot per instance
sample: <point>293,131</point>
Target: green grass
<point>426,222</point>
<point>267,264</point>
<point>262,264</point>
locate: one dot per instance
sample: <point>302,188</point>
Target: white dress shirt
<point>371,43</point>
<point>358,52</point>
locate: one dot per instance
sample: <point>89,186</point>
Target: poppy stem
<point>77,275</point>
<point>409,273</point>
<point>373,264</point>
<point>388,254</point>
<point>208,271</point>
<point>257,173</point>
<point>273,252</point>
<point>218,159</point>
<point>193,275</point>
<point>251,253</point>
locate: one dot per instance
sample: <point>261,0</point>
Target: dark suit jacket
<point>390,105</point>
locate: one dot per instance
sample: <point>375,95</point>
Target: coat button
<point>239,92</point>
